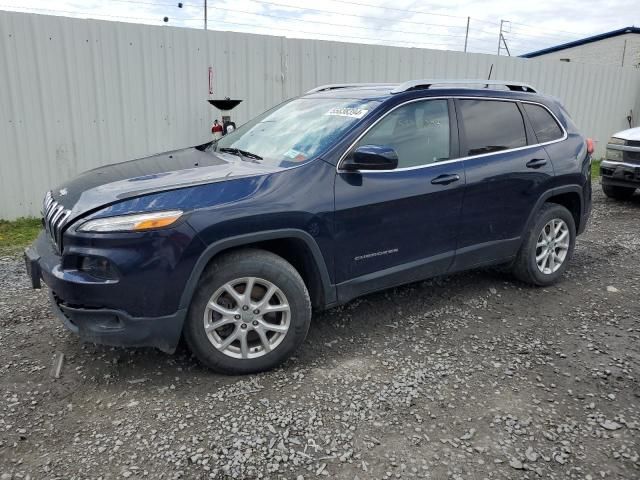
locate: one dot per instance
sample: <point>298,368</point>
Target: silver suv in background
<point>620,171</point>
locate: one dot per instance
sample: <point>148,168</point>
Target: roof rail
<point>335,86</point>
<point>426,84</point>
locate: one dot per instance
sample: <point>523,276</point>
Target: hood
<point>632,134</point>
<point>167,171</point>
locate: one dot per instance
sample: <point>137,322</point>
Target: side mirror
<point>371,157</point>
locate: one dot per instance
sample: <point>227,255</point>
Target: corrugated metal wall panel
<point>77,94</point>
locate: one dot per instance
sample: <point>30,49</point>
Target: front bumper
<point>113,312</point>
<point>620,174</point>
<point>118,329</point>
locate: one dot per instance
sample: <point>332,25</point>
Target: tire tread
<point>522,268</point>
<point>250,257</point>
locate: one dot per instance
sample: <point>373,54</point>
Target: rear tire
<point>618,193</point>
<point>233,333</point>
<point>547,246</point>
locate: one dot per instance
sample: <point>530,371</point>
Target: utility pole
<point>500,37</point>
<point>506,47</point>
<point>466,36</point>
<point>205,14</point>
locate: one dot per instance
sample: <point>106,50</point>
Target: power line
<point>368,17</point>
<point>382,7</point>
<point>88,14</point>
<point>142,2</point>
<point>523,29</point>
<point>288,19</point>
<point>338,24</point>
<point>564,34</point>
<point>269,3</point>
<point>541,35</point>
<point>418,12</point>
<point>518,32</point>
<point>546,29</point>
<point>473,29</point>
<point>524,39</point>
<point>521,36</point>
<point>270,27</point>
<point>333,36</point>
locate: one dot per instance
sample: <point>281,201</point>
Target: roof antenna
<point>489,77</point>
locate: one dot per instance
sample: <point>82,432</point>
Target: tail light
<point>590,147</point>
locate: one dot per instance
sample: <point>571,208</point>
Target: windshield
<point>295,132</point>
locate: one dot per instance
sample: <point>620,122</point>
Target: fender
<point>552,193</point>
<point>247,239</point>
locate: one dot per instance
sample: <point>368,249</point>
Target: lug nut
<point>237,317</point>
<point>245,307</point>
<point>244,325</point>
<point>255,323</point>
<point>256,311</point>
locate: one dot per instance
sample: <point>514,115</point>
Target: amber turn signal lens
<point>155,223</point>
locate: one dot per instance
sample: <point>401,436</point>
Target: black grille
<point>631,157</point>
<point>55,217</point>
<point>633,143</point>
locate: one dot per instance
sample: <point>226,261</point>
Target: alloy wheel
<point>247,318</point>
<point>552,246</point>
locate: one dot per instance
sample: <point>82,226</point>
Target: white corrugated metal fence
<point>76,94</point>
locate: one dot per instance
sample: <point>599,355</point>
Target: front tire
<point>250,312</point>
<point>618,193</point>
<point>547,247</point>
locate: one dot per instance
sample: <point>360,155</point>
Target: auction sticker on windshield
<point>295,155</point>
<point>347,112</point>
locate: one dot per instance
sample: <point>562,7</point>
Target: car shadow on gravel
<point>351,330</point>
<point>335,335</point>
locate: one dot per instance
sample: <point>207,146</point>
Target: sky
<point>437,24</point>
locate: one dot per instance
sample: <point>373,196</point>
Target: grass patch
<point>595,169</point>
<point>18,233</point>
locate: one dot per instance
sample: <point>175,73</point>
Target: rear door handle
<point>536,163</point>
<point>445,179</point>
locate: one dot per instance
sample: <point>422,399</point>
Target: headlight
<point>131,223</point>
<point>614,155</point>
<point>617,141</point>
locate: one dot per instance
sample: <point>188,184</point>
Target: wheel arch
<point>569,196</point>
<point>572,201</point>
<point>295,246</point>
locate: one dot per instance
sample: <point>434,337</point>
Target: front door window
<point>417,131</point>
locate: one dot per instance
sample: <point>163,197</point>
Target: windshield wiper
<point>242,153</point>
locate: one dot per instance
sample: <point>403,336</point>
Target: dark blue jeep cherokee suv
<point>346,190</point>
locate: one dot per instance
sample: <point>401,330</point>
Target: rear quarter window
<point>544,125</point>
<point>491,126</point>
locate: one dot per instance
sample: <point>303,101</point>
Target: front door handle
<point>445,179</point>
<point>537,163</point>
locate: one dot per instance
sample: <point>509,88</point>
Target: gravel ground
<point>465,377</point>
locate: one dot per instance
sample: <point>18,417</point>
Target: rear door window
<point>491,126</point>
<point>543,123</point>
